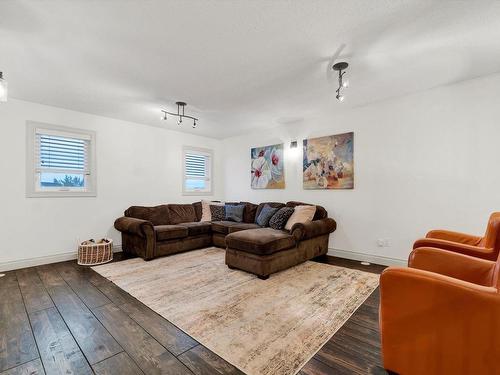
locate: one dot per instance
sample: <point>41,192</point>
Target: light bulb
<point>345,84</point>
<point>180,121</point>
<point>164,117</point>
<point>3,89</point>
<point>340,98</point>
<point>194,124</point>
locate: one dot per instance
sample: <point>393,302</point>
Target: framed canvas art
<point>328,162</point>
<point>267,167</point>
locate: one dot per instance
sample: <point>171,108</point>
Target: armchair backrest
<point>491,238</point>
<point>496,275</point>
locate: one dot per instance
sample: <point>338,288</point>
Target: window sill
<point>195,193</point>
<point>60,194</point>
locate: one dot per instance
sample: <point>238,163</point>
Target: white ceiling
<point>239,64</point>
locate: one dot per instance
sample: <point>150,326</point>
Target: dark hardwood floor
<point>66,319</point>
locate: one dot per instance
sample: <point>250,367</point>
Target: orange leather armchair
<point>487,247</point>
<point>441,315</point>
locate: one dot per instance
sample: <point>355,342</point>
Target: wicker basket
<point>91,254</point>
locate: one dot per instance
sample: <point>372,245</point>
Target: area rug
<point>262,327</point>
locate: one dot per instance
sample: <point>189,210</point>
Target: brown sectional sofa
<point>151,232</point>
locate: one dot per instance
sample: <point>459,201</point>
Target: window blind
<point>61,153</point>
<point>196,165</point>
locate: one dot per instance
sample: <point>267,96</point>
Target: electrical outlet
<point>384,242</point>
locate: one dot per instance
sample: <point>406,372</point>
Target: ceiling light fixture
<point>3,88</point>
<point>180,113</point>
<point>343,83</point>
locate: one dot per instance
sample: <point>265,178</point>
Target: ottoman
<point>262,251</point>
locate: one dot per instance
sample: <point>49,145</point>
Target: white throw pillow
<point>206,215</point>
<point>301,214</point>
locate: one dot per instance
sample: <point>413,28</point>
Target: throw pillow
<point>265,214</point>
<point>206,215</point>
<point>218,212</point>
<point>280,218</point>
<point>301,214</point>
<point>235,212</point>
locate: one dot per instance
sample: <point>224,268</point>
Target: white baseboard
<point>38,261</point>
<point>61,257</point>
<point>375,259</point>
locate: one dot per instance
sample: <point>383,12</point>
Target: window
<point>60,161</point>
<point>197,171</point>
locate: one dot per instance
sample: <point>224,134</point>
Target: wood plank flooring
<point>66,319</point>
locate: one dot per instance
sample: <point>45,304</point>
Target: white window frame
<point>33,176</point>
<point>201,151</point>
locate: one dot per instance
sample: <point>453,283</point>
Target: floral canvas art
<point>267,167</point>
<point>328,162</point>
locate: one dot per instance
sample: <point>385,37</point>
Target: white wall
<point>421,161</point>
<point>136,164</point>
<point>427,160</point>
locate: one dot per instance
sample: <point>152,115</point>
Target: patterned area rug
<point>263,327</point>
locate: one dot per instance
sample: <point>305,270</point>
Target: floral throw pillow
<point>279,219</point>
<point>218,212</point>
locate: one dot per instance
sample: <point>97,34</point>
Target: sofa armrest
<point>475,251</point>
<point>431,321</point>
<point>310,229</point>
<point>456,265</point>
<point>447,235</point>
<point>132,225</point>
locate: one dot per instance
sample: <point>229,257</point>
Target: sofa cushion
<point>249,212</point>
<point>234,212</point>
<point>181,213</point>
<point>265,215</point>
<point>170,232</point>
<point>198,210</point>
<point>197,227</point>
<point>280,218</point>
<point>222,226</point>
<point>262,241</point>
<point>243,226</point>
<point>157,215</point>
<point>320,210</point>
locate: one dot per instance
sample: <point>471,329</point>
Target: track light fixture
<point>343,83</point>
<point>3,88</point>
<point>180,113</point>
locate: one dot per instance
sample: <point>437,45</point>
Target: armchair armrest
<point>310,229</point>
<point>133,226</point>
<point>456,265</point>
<point>475,251</point>
<point>432,323</point>
<point>447,235</point>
